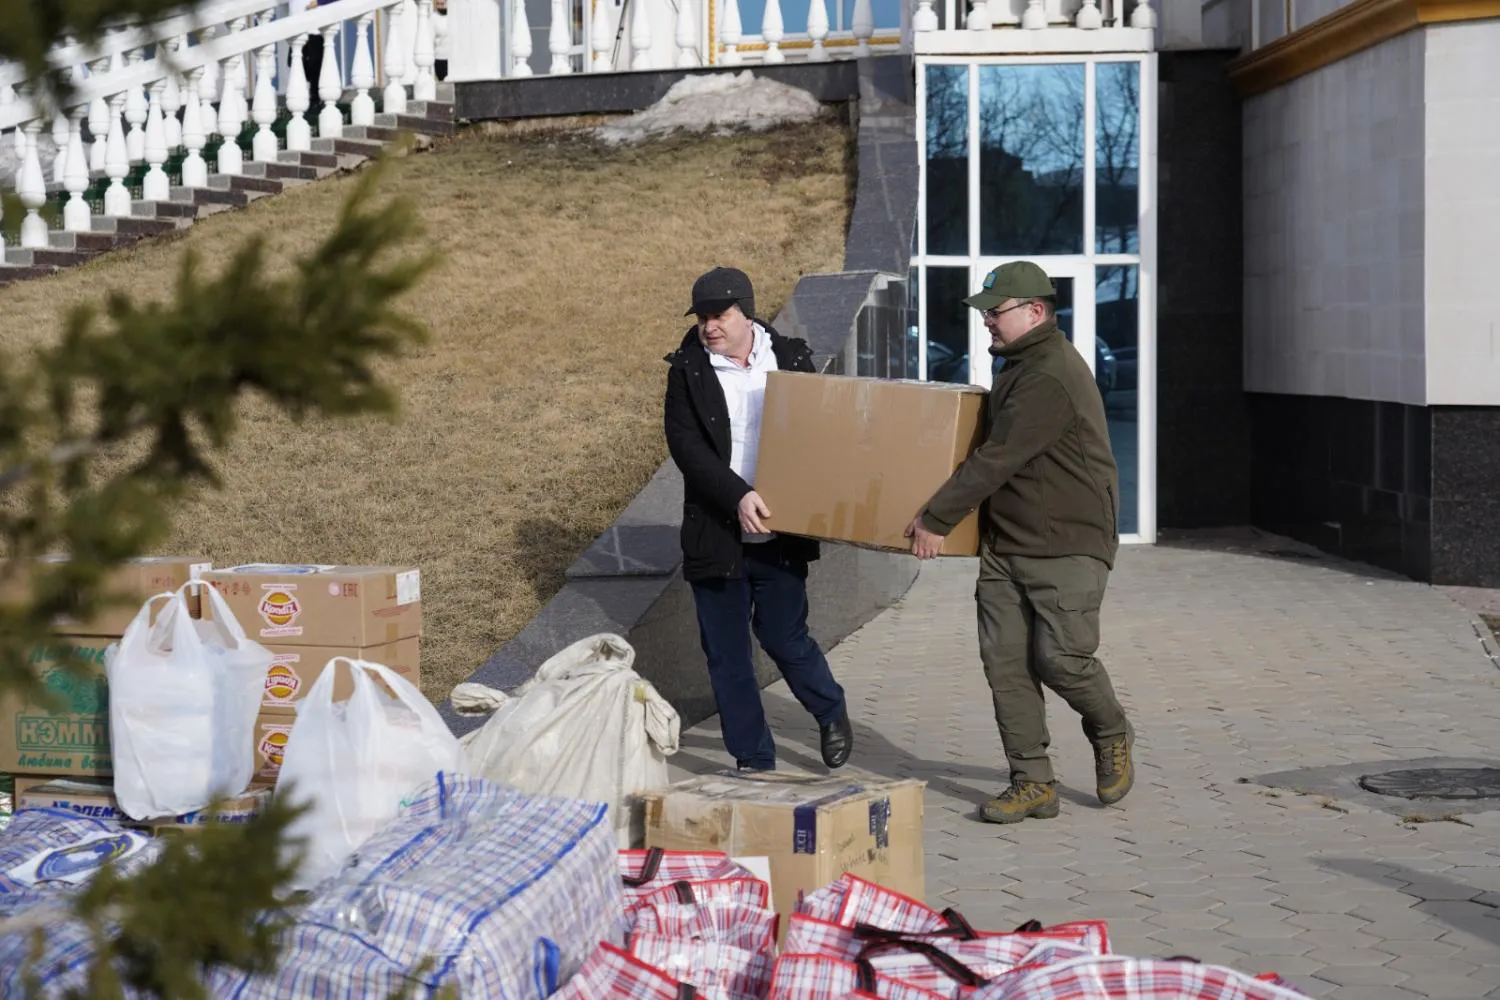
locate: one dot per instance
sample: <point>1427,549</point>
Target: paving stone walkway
<point>1262,682</point>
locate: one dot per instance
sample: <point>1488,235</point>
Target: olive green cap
<point>1020,279</point>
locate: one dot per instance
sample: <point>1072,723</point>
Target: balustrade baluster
<point>31,186</point>
<point>155,186</point>
<point>817,29</point>
<point>135,114</point>
<point>640,36</point>
<point>171,94</point>
<point>362,74</point>
<point>77,216</point>
<point>424,88</point>
<point>263,147</point>
<point>864,28</point>
<point>602,40</point>
<point>393,101</point>
<point>729,32</point>
<point>116,162</point>
<point>520,41</point>
<point>560,38</point>
<point>298,100</point>
<point>687,35</point>
<point>194,137</point>
<point>330,87</point>
<point>232,108</point>
<point>771,29</point>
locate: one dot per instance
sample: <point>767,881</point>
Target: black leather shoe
<point>838,741</point>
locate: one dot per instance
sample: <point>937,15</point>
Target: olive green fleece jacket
<point>1045,469</point>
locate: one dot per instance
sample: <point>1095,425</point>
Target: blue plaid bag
<point>501,893</point>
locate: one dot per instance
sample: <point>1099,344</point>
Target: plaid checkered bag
<point>716,969</point>
<point>612,974</point>
<point>646,872</point>
<point>813,977</point>
<point>743,925</point>
<point>748,891</point>
<point>36,830</point>
<point>504,892</point>
<point>1092,934</point>
<point>1116,977</point>
<point>807,935</point>
<point>947,964</point>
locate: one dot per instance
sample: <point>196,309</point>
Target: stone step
<point>446,92</point>
<point>17,272</point>
<point>45,257</point>
<point>371,133</point>
<point>165,209</point>
<point>316,160</point>
<point>91,242</point>
<point>255,187</point>
<point>438,111</point>
<point>348,147</point>
<point>281,171</point>
<point>414,123</point>
<point>211,196</point>
<point>132,227</point>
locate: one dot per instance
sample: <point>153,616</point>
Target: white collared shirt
<point>745,395</point>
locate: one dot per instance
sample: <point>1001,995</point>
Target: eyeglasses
<point>995,313</point>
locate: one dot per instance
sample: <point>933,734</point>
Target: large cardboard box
<point>138,579</point>
<point>272,730</point>
<point>295,668</point>
<point>91,797</point>
<point>73,740</point>
<point>854,459</point>
<point>318,605</point>
<point>812,828</point>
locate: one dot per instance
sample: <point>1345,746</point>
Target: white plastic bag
<point>183,697</point>
<point>355,762</point>
<point>587,726</point>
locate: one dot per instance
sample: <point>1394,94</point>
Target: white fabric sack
<point>183,697</point>
<point>356,762</point>
<point>587,726</point>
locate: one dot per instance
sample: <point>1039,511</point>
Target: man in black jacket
<point>743,575</point>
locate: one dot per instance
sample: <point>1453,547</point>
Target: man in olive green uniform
<point>1047,479</point>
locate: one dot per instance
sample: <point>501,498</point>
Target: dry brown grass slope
<point>534,415</point>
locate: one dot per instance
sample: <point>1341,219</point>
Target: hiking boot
<point>1114,769</point>
<point>1022,800</point>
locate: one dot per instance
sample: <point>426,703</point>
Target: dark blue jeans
<point>770,598</point>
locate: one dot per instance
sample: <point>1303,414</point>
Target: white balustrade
<point>362,75</point>
<point>520,42</point>
<point>559,41</point>
<point>77,216</point>
<point>298,100</point>
<point>771,30</point>
<point>135,114</point>
<point>640,36</point>
<point>424,87</point>
<point>171,95</point>
<point>394,98</point>
<point>729,32</point>
<point>155,186</point>
<point>194,133</point>
<point>330,88</point>
<point>686,37</point>
<point>263,147</point>
<point>32,188</point>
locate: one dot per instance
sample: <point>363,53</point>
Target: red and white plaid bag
<point>649,871</point>
<point>744,925</point>
<point>944,963</point>
<point>1115,977</point>
<point>850,901</point>
<point>812,977</point>
<point>611,974</point>
<point>749,891</point>
<point>718,970</point>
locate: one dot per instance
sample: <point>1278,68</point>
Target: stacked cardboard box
<point>307,614</point>
<point>75,739</point>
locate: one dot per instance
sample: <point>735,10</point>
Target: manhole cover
<point>1436,783</point>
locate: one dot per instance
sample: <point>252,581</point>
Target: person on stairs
<point>1049,534</point>
<point>744,576</point>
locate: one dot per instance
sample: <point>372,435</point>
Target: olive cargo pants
<point>1039,624</point>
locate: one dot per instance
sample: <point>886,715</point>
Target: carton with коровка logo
<point>321,605</point>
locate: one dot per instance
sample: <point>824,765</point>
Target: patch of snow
<point>718,101</point>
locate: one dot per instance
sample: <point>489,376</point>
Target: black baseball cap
<point>721,288</point>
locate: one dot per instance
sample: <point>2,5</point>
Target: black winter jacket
<point>698,437</point>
